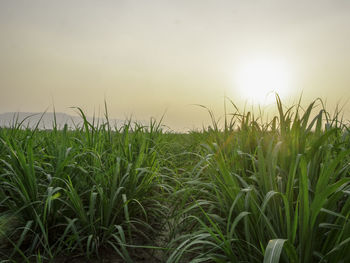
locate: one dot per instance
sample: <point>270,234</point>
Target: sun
<point>258,80</point>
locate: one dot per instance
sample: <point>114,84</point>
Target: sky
<point>155,57</point>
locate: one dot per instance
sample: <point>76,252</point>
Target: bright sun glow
<point>258,80</point>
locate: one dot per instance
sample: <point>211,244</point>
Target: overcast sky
<point>148,57</point>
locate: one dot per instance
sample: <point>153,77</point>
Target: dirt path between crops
<point>138,255</point>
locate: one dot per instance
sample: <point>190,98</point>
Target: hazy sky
<point>146,57</point>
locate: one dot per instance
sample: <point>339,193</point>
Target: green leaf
<point>274,250</point>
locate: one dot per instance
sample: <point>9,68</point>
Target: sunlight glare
<point>258,80</point>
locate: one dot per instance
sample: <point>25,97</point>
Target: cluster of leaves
<point>78,191</point>
<point>275,192</point>
<point>253,191</point>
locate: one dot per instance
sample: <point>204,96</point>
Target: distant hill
<point>30,119</point>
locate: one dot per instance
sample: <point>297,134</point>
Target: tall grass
<point>251,191</point>
<point>78,191</point>
<point>270,192</point>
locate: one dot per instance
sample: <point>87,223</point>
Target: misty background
<point>146,58</point>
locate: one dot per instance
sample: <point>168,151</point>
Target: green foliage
<point>252,191</point>
<point>69,191</point>
<point>275,192</point>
